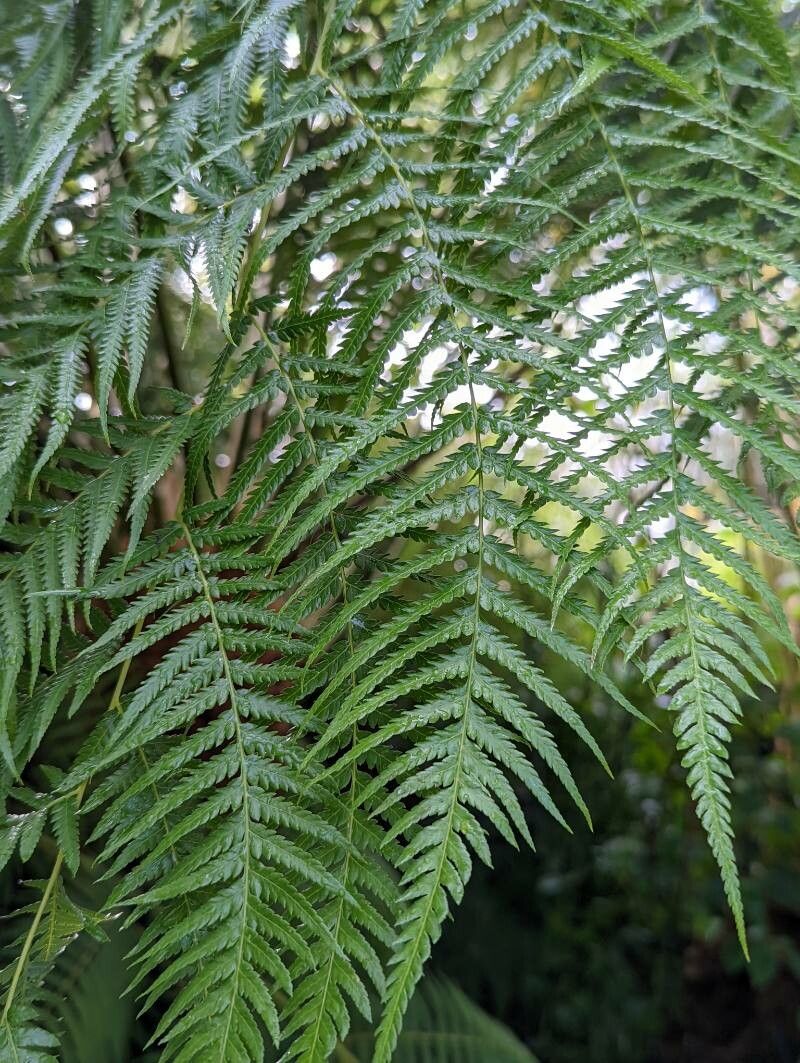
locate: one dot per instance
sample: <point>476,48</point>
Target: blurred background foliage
<point>617,945</point>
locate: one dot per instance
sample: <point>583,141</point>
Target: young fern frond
<point>503,325</point>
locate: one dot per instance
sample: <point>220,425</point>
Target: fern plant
<point>504,319</point>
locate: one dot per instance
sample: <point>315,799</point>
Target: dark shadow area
<point>616,945</point>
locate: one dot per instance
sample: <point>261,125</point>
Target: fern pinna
<point>504,319</point>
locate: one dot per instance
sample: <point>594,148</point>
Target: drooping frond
<point>205,814</point>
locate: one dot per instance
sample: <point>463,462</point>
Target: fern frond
<point>230,832</point>
<point>444,1024</point>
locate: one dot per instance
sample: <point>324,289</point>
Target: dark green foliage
<point>504,325</point>
<point>630,922</point>
<point>443,1026</point>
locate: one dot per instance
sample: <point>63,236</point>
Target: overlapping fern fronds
<point>505,305</point>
